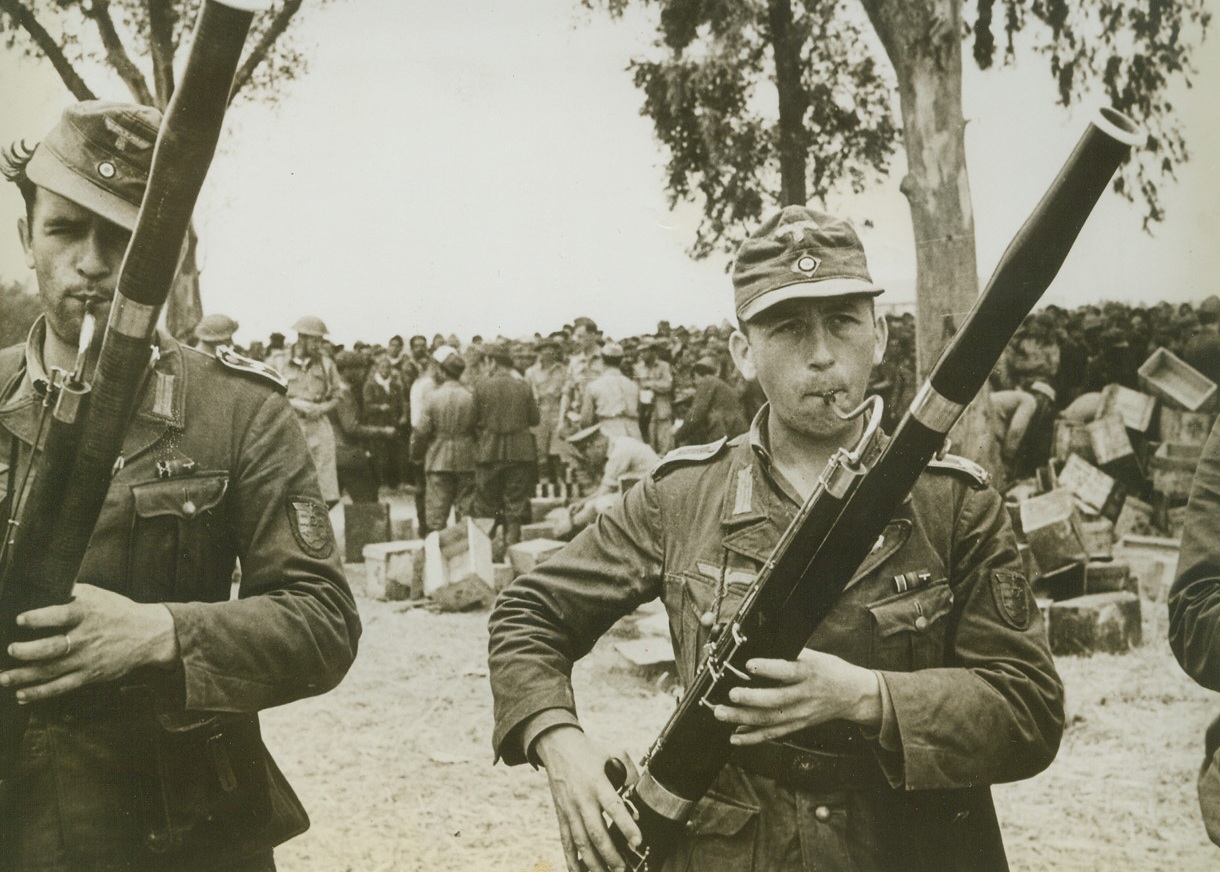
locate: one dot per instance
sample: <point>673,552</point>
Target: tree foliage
<point>717,66</point>
<point>731,146</point>
<point>18,310</point>
<point>1129,50</point>
<point>140,42</point>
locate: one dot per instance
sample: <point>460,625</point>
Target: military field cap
<point>500,354</point>
<point>98,156</point>
<point>612,351</point>
<point>216,328</point>
<point>449,360</point>
<point>799,253</point>
<point>310,325</point>
<point>706,364</point>
<point>584,435</point>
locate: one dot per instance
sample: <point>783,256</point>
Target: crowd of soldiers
<point>604,409</point>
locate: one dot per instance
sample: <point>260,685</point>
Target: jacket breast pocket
<point>691,595</point>
<point>909,628</point>
<point>180,544</point>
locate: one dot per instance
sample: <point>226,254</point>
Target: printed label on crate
<point>1090,485</point>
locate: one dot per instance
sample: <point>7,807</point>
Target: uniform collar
<point>162,400</point>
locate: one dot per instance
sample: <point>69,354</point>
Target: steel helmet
<point>310,325</point>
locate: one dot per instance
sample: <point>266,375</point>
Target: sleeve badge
<point>311,526</point>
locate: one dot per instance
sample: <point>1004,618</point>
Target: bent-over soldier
<point>143,750</point>
<point>928,681</point>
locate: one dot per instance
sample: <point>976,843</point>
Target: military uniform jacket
<point>169,772</point>
<point>444,435</point>
<point>972,695</point>
<point>504,412</point>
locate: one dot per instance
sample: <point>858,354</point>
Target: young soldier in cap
<point>929,680</point>
<point>143,749</point>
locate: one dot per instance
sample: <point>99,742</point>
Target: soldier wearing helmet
<point>314,387</point>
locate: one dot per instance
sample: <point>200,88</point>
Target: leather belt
<point>807,769</point>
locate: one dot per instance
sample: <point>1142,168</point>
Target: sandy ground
<point>395,766</point>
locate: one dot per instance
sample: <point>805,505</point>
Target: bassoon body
<point>73,470</point>
<point>860,491</point>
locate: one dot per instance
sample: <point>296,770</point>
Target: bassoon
<point>860,490</point>
<point>50,529</point>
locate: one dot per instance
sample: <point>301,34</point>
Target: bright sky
<point>478,167</point>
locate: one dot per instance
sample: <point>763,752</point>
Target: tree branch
<point>116,54</point>
<point>22,14</point>
<point>260,51</point>
<point>161,46</point>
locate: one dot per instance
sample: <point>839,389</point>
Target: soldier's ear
<point>23,231</point>
<point>739,348</point>
<point>882,330</point>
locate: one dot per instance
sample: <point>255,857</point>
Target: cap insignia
<point>124,137</point>
<point>797,229</point>
<point>806,265</point>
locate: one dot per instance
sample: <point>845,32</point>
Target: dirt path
<point>395,765</point>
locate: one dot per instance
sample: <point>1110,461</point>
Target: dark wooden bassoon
<point>51,527</point>
<point>860,491</point>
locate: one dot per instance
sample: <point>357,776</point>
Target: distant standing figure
<point>656,381</point>
<point>507,467</point>
<point>612,399</point>
<point>313,392</point>
<point>385,406</point>
<point>546,378</point>
<point>444,440</point>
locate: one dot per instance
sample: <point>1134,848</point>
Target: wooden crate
<point>458,571</point>
<point>1153,561</point>
<point>1132,407</point>
<point>1098,538</point>
<point>524,556</point>
<point>1134,519</point>
<point>394,571</point>
<point>1176,381</point>
<point>1072,438</point>
<point>1173,469</point>
<point>1097,490</point>
<point>1189,428</point>
<point>1109,440</point>
<point>364,524</point>
<point>1098,622</point>
<point>540,507</point>
<point>1052,530</point>
<point>1108,576</point>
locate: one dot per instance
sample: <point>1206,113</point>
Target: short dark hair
<point>13,161</point>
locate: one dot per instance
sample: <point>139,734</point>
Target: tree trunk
<point>793,102</point>
<point>923,41</point>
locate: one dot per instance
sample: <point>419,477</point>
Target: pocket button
<point>822,813</point>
